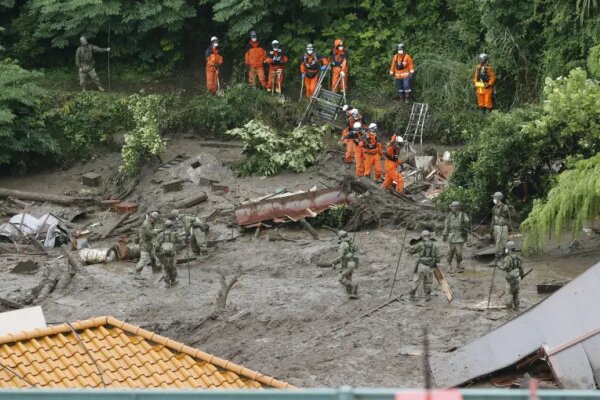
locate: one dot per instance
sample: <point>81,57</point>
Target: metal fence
<point>344,393</point>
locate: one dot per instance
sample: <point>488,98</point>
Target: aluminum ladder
<point>325,106</point>
<point>416,123</point>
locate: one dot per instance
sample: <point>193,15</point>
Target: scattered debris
<point>191,201</point>
<point>173,186</point>
<point>549,287</point>
<point>43,197</point>
<point>126,208</point>
<point>91,179</point>
<point>25,267</point>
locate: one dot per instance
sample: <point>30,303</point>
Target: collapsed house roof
<point>107,353</point>
<point>565,327</point>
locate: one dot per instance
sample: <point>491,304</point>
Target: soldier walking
<point>428,259</point>
<point>348,258</point>
<point>166,243</point>
<point>500,223</point>
<point>455,232</point>
<point>193,229</point>
<point>84,60</point>
<point>512,265</point>
<point>147,234</point>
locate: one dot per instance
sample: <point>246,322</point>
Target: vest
<point>483,73</point>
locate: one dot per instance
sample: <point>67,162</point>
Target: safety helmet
<point>455,204</point>
<point>83,40</point>
<point>399,139</point>
<point>154,215</point>
<point>510,245</point>
<point>214,39</point>
<point>354,112</point>
<point>169,223</point>
<point>310,47</point>
<point>425,234</point>
<point>400,46</point>
<point>373,126</point>
<point>483,57</point>
<point>174,214</point>
<point>498,195</point>
<point>357,125</point>
<point>275,44</point>
<point>342,234</point>
<point>253,35</point>
<point>345,107</point>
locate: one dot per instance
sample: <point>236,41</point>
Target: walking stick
<point>272,82</point>
<point>398,264</point>
<point>108,54</point>
<point>187,257</point>
<point>491,286</point>
<point>344,89</point>
<point>301,88</point>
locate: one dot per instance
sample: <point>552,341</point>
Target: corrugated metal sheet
<point>569,315</point>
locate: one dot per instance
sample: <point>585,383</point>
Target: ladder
<point>325,106</point>
<point>416,122</point>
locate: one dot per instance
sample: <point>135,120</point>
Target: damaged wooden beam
<point>42,197</point>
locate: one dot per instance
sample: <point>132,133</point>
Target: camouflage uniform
<point>455,230</point>
<point>512,265</point>
<point>348,258</point>
<point>147,233</point>
<point>168,237</point>
<point>194,230</point>
<point>85,62</point>
<point>428,259</point>
<point>500,221</point>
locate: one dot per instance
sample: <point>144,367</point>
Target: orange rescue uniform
<point>349,142</point>
<point>213,61</point>
<point>391,165</point>
<point>311,65</point>
<point>484,80</point>
<point>373,151</point>
<point>254,58</point>
<point>339,64</point>
<point>276,60</point>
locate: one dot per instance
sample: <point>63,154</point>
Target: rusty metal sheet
<point>566,315</point>
<point>295,206</point>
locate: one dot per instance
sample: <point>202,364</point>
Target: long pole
<point>398,263</point>
<point>108,54</point>
<point>491,287</point>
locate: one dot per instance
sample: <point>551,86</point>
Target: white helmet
<point>214,39</point>
<point>275,44</point>
<point>399,139</point>
<point>357,125</point>
<point>345,107</point>
<point>354,112</point>
<point>373,126</point>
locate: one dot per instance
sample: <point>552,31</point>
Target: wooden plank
<point>443,283</point>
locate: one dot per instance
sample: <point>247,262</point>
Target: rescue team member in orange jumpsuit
<point>402,69</point>
<point>213,63</point>
<point>393,165</point>
<point>254,59</point>
<point>349,143</point>
<point>356,135</point>
<point>373,151</point>
<point>339,67</point>
<point>276,59</point>
<point>484,80</point>
<point>310,64</point>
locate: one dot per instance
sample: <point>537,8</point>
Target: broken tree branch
<point>309,228</point>
<point>115,225</point>
<point>226,287</point>
<point>192,200</point>
<point>41,197</point>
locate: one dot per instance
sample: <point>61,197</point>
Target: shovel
<point>220,91</point>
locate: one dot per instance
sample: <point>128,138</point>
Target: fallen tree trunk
<point>42,197</point>
<point>309,228</point>
<point>192,201</point>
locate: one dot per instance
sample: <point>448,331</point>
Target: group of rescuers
<point>456,230</point>
<point>256,58</point>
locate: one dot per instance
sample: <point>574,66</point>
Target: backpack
<point>167,248</point>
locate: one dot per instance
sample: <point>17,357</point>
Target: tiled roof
<point>105,352</point>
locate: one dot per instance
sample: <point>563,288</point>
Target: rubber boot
<point>412,295</point>
<point>353,291</point>
<point>427,296</point>
<point>459,268</point>
<point>406,98</point>
<point>451,270</point>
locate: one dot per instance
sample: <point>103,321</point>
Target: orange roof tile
<point>105,352</point>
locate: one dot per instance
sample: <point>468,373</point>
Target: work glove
<point>391,72</point>
<point>445,238</point>
<point>342,74</point>
<point>323,67</point>
<point>303,75</point>
<point>108,49</point>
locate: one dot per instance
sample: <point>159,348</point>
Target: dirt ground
<point>291,319</point>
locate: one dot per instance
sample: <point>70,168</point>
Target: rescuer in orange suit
<point>213,62</point>
<point>339,67</point>
<point>484,80</point>
<point>393,164</point>
<point>310,65</point>
<point>356,134</point>
<point>276,59</point>
<point>402,69</point>
<point>255,58</point>
<point>352,116</point>
<point>373,151</point>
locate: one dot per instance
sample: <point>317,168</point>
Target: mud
<point>285,317</point>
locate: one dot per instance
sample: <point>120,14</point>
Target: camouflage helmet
<point>83,40</point>
<point>498,195</point>
<point>169,223</point>
<point>174,214</point>
<point>154,214</point>
<point>455,204</point>
<point>342,234</point>
<point>510,245</point>
<point>425,234</point>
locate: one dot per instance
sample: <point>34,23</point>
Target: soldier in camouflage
<point>193,229</point>
<point>147,234</point>
<point>84,60</point>
<point>348,258</point>
<point>455,232</point>
<point>428,259</point>
<point>512,265</point>
<point>500,223</point>
<point>166,243</point>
